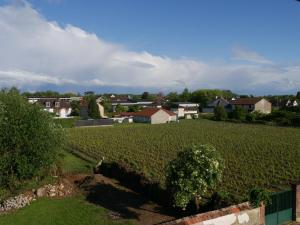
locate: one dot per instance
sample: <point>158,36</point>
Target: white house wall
<point>160,117</point>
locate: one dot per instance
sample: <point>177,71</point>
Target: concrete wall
<point>241,214</point>
<point>141,119</point>
<point>160,117</point>
<point>296,190</point>
<point>263,106</point>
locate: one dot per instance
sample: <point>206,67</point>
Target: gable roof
<point>245,101</point>
<point>151,111</point>
<point>218,102</point>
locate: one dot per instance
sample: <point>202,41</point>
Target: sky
<point>249,47</point>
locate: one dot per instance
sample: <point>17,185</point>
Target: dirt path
<point>121,201</point>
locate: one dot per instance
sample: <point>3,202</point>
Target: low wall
<point>234,215</point>
<point>296,190</point>
<point>96,122</point>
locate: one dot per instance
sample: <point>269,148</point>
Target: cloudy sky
<point>130,46</point>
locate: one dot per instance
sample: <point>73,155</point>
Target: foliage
<point>29,140</point>
<point>196,170</point>
<point>66,122</point>
<point>145,95</point>
<point>93,108</point>
<point>134,108</point>
<point>173,97</point>
<point>120,108</point>
<point>220,113</point>
<point>258,196</point>
<point>62,211</point>
<point>203,96</point>
<point>238,113</point>
<point>75,106</point>
<point>254,155</point>
<point>185,95</point>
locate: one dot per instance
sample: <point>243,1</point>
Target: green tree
<point>173,97</point>
<point>145,95</point>
<point>196,170</point>
<point>185,95</point>
<point>75,106</point>
<point>239,113</point>
<point>220,113</point>
<point>120,108</point>
<point>134,108</point>
<point>29,140</point>
<point>93,108</point>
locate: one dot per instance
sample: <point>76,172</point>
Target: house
<point>152,115</point>
<point>60,106</point>
<point>215,103</point>
<point>291,103</point>
<point>186,110</point>
<point>252,104</point>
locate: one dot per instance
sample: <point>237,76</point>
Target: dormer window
<point>57,104</point>
<point>47,104</point>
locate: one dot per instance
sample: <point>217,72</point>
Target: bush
<point>258,196</point>
<point>93,108</point>
<point>220,113</point>
<point>29,140</point>
<point>195,171</point>
<point>238,113</point>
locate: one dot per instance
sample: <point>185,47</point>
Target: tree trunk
<point>197,202</point>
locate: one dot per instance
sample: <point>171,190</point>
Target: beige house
<point>154,116</point>
<point>253,104</point>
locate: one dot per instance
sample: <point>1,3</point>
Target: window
<point>57,104</point>
<point>47,104</point>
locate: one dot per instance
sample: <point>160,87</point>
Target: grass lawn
<point>67,211</point>
<point>72,164</point>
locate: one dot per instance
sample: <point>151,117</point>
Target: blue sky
<point>205,29</point>
<point>247,46</point>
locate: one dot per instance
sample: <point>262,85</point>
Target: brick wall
<point>234,215</point>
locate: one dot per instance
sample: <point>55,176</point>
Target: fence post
<point>296,202</point>
<point>262,213</point>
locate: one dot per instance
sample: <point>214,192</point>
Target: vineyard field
<point>255,155</point>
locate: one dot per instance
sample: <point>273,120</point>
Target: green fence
<point>281,208</point>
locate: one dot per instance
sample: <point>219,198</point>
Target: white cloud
<point>250,56</point>
<point>36,52</point>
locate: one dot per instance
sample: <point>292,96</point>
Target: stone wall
<point>234,215</point>
<point>64,188</point>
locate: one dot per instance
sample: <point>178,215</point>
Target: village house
<point>59,106</point>
<point>151,115</point>
<point>186,110</point>
<point>252,104</point>
<point>218,102</point>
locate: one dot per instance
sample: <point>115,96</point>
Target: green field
<point>255,155</point>
<point>66,211</point>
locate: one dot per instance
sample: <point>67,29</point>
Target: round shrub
<point>29,139</point>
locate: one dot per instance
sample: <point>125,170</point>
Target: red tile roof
<point>151,111</point>
<point>245,101</point>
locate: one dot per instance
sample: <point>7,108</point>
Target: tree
<point>173,97</point>
<point>134,108</point>
<point>93,108</point>
<point>120,108</point>
<point>75,106</point>
<point>238,113</point>
<point>145,95</point>
<point>185,95</point>
<point>195,170</point>
<point>29,140</point>
<point>298,95</point>
<point>220,113</point>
